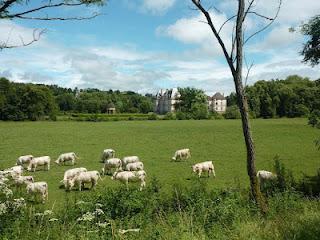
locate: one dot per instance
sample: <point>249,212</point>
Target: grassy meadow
<point>155,142</point>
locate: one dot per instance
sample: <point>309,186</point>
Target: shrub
<point>314,119</point>
<point>232,112</point>
<point>169,116</point>
<point>181,115</point>
<point>152,116</point>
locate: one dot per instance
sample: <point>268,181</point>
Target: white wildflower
<point>38,214</point>
<point>89,216</point>
<point>3,208</point>
<point>18,203</point>
<point>103,225</point>
<point>53,219</point>
<point>47,212</point>
<point>80,202</point>
<point>98,205</point>
<point>99,212</point>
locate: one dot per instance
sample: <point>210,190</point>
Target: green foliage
<point>314,119</point>
<point>199,111</point>
<point>152,116</point>
<point>169,116</point>
<point>193,103</point>
<point>33,102</point>
<point>232,112</point>
<point>181,115</point>
<point>311,50</point>
<point>26,101</point>
<point>293,97</point>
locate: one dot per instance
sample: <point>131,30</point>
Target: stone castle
<point>167,98</point>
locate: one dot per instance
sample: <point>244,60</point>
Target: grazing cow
<point>70,174</point>
<point>24,159</point>
<point>111,163</point>
<point>85,177</point>
<point>263,175</point>
<point>39,161</point>
<point>182,154</point>
<point>129,159</point>
<point>38,188</point>
<point>136,166</point>
<point>107,153</point>
<point>66,157</point>
<point>23,180</point>
<point>204,167</point>
<point>128,176</point>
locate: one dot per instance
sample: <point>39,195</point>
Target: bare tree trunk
<point>243,106</point>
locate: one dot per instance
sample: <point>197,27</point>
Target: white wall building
<point>167,98</point>
<point>217,103</point>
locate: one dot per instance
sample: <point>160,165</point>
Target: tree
<point>24,10</point>
<point>311,49</point>
<point>234,59</point>
<point>193,103</point>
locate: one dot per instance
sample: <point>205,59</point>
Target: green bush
<point>169,116</point>
<point>232,112</point>
<point>181,115</point>
<point>314,119</point>
<point>152,116</point>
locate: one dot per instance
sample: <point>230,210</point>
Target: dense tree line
<point>19,101</point>
<point>294,96</point>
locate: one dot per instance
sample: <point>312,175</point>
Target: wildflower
<point>98,205</point>
<point>80,202</point>
<point>47,212</point>
<point>18,203</point>
<point>3,208</point>
<point>99,212</point>
<point>103,225</point>
<point>53,219</point>
<point>89,216</point>
<point>38,214</point>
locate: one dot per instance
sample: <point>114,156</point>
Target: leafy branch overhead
<point>311,49</point>
<point>43,11</point>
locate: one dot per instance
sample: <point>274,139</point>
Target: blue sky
<point>144,45</point>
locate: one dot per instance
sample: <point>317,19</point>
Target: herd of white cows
<point>128,169</point>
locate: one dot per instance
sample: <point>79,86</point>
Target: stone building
<point>217,103</point>
<point>166,100</point>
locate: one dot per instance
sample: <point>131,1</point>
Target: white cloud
<point>157,7</point>
<point>12,34</point>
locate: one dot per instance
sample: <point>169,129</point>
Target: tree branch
<point>36,37</point>
<point>6,4</point>
<point>214,31</point>
<point>59,18</point>
<point>265,27</point>
<point>46,6</point>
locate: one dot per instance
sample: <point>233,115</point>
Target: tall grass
<point>185,212</point>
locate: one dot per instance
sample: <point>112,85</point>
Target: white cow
<point>204,167</point>
<point>24,159</point>
<point>111,163</point>
<point>136,166</point>
<point>38,188</point>
<point>67,157</point>
<point>130,159</point>
<point>107,153</point>
<point>39,161</point>
<point>70,174</point>
<point>182,154</point>
<point>128,176</point>
<point>263,175</point>
<point>85,177</point>
<point>23,180</point>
